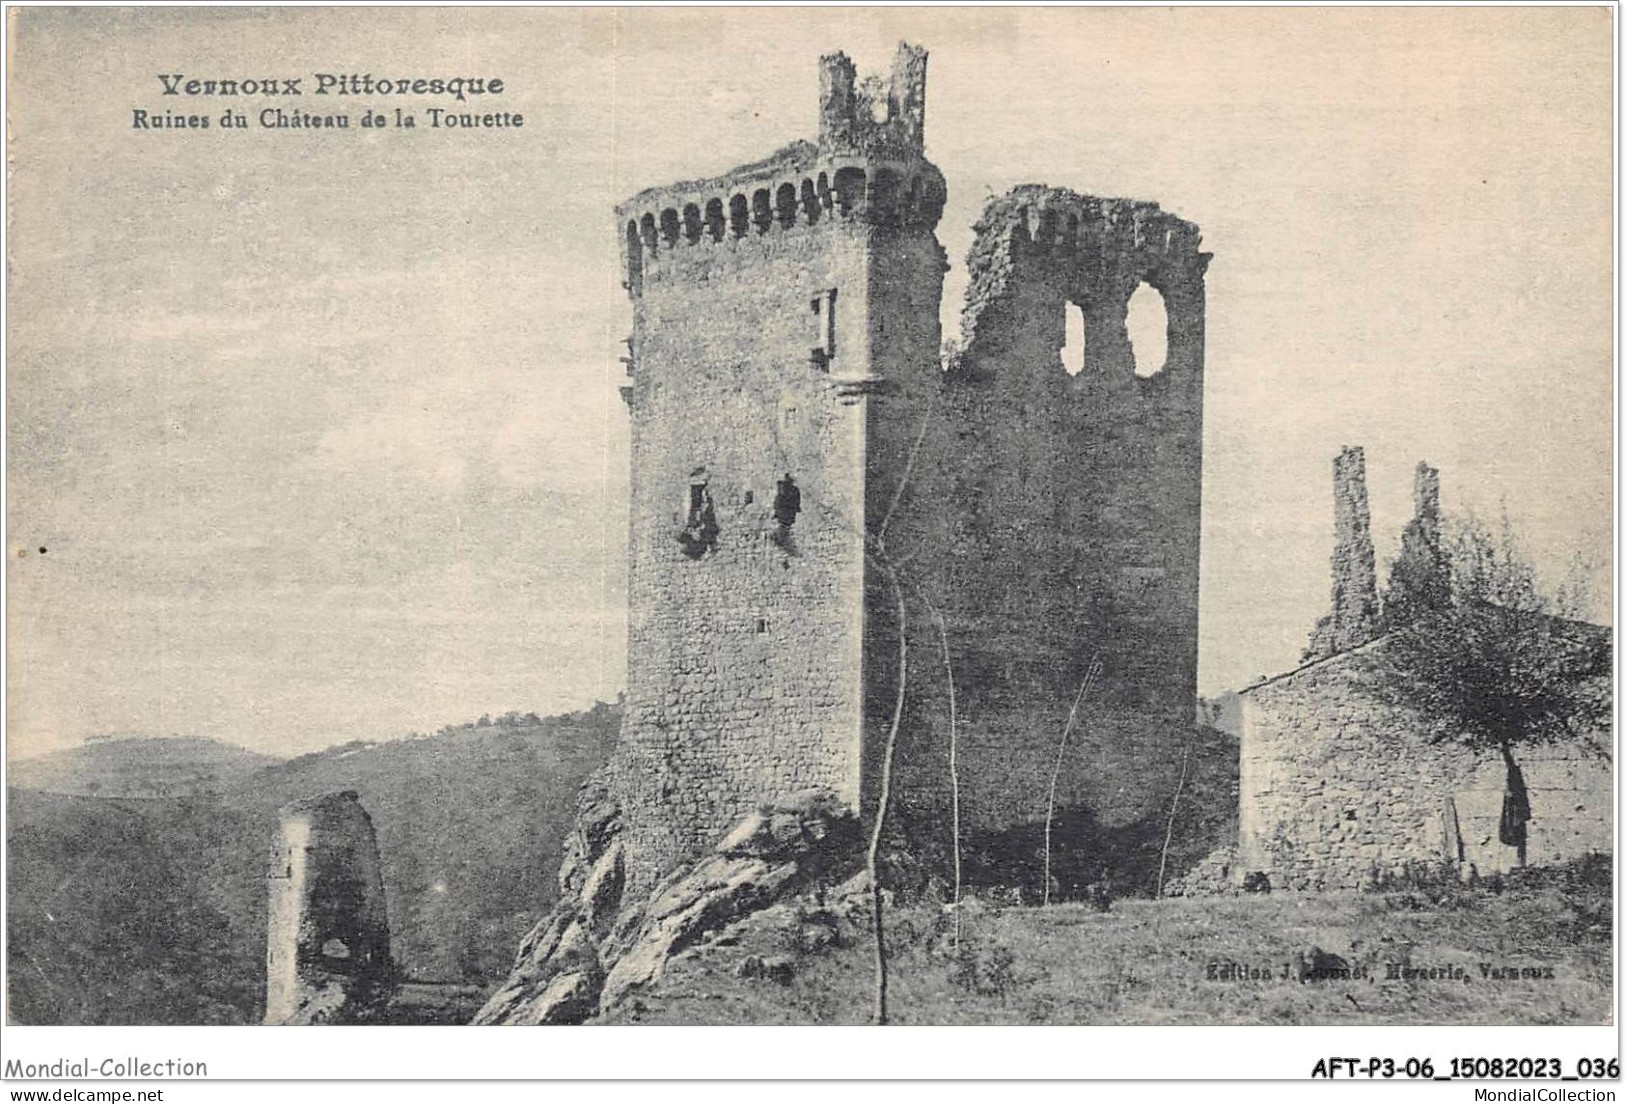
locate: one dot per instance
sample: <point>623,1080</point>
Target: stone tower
<point>1355,617</point>
<point>772,307</point>
<point>327,939</point>
<point>1419,581</point>
<point>797,443</point>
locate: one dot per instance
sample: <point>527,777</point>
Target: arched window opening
<point>762,210</point>
<point>879,102</point>
<point>646,227</point>
<point>1072,353</point>
<point>809,202</point>
<point>849,189</point>
<point>1148,331</point>
<point>884,187</point>
<point>739,215</point>
<point>715,223</point>
<point>668,226</point>
<point>691,224</point>
<point>1046,229</point>
<point>1023,229</point>
<point>786,203</point>
<point>634,255</point>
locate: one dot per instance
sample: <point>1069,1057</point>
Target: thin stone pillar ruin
<point>1419,582</point>
<point>327,938</point>
<point>1356,615</point>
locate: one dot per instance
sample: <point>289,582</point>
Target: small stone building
<point>1339,786</point>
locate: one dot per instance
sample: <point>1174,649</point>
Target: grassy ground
<point>1166,962</point>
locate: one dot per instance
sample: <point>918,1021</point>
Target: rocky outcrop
<point>597,947</point>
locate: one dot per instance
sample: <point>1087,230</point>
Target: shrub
<point>986,968</point>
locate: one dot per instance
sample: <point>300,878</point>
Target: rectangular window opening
<point>823,312</point>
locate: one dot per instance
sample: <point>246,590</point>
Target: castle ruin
<point>1341,788</point>
<point>823,510</point>
<point>327,938</point>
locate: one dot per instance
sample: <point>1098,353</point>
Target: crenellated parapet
<point>1093,250</point>
<point>880,116</point>
<point>867,170</point>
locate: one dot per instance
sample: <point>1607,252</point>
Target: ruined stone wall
<point>327,937</point>
<point>1419,581</point>
<point>1337,786</point>
<point>907,501</point>
<point>1073,531</point>
<point>1355,616</point>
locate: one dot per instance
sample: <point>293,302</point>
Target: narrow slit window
<point>699,533</point>
<point>1072,353</point>
<point>787,503</point>
<point>823,315</point>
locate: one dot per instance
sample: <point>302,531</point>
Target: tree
<point>1497,663</point>
<point>1089,676</point>
<point>889,566</point>
<point>953,759</point>
<point>875,550</point>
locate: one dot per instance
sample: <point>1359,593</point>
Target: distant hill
<point>470,823</point>
<point>111,915</point>
<point>138,767</point>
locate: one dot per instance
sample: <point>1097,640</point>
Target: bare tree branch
<point>908,468</point>
<point>884,799</point>
<point>1089,677</point>
<point>1173,807</point>
<point>953,755</point>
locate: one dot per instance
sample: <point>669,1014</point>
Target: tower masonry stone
<point>799,442</point>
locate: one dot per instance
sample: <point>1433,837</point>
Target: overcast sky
<point>320,430</point>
